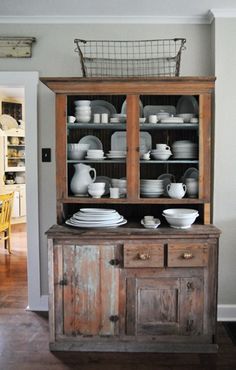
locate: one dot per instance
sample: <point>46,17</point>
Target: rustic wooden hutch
<point>104,296</point>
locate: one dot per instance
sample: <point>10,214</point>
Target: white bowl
<point>180,212</point>
<point>186,116</point>
<point>96,193</point>
<point>77,146</point>
<point>83,119</point>
<point>82,102</point>
<point>162,156</point>
<point>180,218</point>
<point>76,154</point>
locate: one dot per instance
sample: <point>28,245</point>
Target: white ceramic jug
<point>176,190</point>
<point>82,178</point>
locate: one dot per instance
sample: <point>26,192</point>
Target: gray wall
<point>53,55</point>
<point>225,155</point>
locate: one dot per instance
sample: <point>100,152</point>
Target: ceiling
<point>118,8</point>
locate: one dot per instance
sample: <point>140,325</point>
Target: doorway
<point>29,81</point>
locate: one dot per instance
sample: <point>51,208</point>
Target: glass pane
<point>172,123</point>
<point>96,146</point>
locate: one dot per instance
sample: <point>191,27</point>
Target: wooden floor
<point>24,335</point>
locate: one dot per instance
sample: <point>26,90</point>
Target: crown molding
<point>221,13</point>
<point>104,19</point>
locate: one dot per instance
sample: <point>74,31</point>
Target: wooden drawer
<point>143,255</point>
<point>187,254</point>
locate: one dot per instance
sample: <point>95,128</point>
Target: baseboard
<point>41,305</point>
<point>226,312</point>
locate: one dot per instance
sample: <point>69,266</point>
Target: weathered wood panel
<point>191,306</point>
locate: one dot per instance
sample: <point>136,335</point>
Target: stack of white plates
<point>95,154</point>
<point>116,154</point>
<point>96,217</point>
<point>184,149</point>
<point>151,188</point>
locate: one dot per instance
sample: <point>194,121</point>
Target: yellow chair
<point>6,201</point>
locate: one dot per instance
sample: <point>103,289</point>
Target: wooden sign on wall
<point>16,47</point>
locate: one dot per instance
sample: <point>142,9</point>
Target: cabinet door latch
<point>114,262</point>
<point>114,318</point>
<point>63,281</point>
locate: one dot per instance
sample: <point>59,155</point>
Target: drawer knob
<point>187,256</point>
<point>144,256</point>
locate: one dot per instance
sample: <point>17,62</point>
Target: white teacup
<point>162,147</point>
<point>148,219</point>
<point>71,119</point>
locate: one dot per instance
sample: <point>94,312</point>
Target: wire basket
<point>103,58</point>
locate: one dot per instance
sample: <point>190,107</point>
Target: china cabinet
<point>12,170</point>
<point>131,288</point>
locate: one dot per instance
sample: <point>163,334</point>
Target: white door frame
<point>29,82</point>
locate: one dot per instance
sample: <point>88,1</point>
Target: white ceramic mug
<point>162,147</point>
<point>114,193</point>
<point>153,118</point>
<point>104,118</point>
<point>96,118</point>
<point>71,119</point>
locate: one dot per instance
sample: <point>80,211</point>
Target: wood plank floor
<point>24,335</point>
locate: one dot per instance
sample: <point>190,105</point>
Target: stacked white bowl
<point>184,149</point>
<point>95,154</point>
<point>151,188</point>
<point>83,110</point>
<point>162,152</point>
<point>77,151</point>
<point>180,218</point>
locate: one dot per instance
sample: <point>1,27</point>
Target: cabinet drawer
<point>187,254</point>
<point>143,255</point>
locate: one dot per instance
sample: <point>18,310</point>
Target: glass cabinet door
<point>97,147</point>
<point>169,147</point>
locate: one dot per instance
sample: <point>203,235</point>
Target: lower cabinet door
<point>86,290</point>
<point>164,306</point>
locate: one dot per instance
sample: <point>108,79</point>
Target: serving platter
<point>118,140</point>
<point>93,141</point>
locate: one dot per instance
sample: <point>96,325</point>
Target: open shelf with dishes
<point>134,136</point>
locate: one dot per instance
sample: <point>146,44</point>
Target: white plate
<point>172,120</point>
<point>94,158</point>
<point>102,106</point>
<point>88,225</point>
<point>80,220</point>
<point>187,104</point>
<point>97,210</point>
<point>93,141</point>
<point>154,226</point>
<point>107,181</point>
<point>118,140</point>
<point>190,172</point>
<point>7,122</point>
<point>154,109</point>
<point>123,108</point>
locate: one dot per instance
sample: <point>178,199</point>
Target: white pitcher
<point>82,178</point>
<point>176,190</point>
